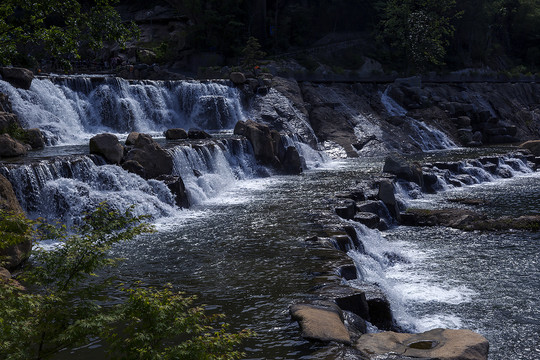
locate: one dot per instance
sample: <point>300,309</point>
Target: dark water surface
<point>244,254</point>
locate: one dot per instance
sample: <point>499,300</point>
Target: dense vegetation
<point>69,298</point>
<point>413,35</point>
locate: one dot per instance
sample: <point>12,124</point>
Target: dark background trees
<point>403,35</point>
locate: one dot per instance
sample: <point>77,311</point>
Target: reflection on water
<point>244,254</point>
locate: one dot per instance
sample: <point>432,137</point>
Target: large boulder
<point>237,78</point>
<point>387,196</point>
<point>260,137</point>
<point>292,161</point>
<point>440,344</point>
<point>35,138</point>
<point>175,134</point>
<point>10,147</point>
<point>150,156</point>
<point>108,146</point>
<point>14,255</point>
<point>320,324</point>
<point>18,77</point>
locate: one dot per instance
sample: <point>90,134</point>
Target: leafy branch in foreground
<point>64,303</point>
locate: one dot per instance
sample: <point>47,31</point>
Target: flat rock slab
<point>320,324</point>
<point>441,344</point>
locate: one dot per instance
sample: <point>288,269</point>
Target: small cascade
<point>312,158</point>
<point>69,110</point>
<point>400,270</point>
<point>425,137</point>
<point>65,188</point>
<point>209,169</point>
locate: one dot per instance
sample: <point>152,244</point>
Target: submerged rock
<point>440,344</point>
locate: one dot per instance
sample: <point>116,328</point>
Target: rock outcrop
<point>18,77</point>
<point>174,134</point>
<point>440,344</point>
<point>10,147</point>
<point>321,324</point>
<point>108,146</point>
<point>148,156</point>
<point>268,147</point>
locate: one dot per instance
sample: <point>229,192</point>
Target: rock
<point>10,147</point>
<point>151,156</point>
<point>134,167</point>
<point>533,146</point>
<point>369,219</point>
<point>175,134</point>
<point>8,121</point>
<point>132,138</point>
<point>355,322</point>
<point>355,303</point>
<point>440,344</point>
<point>375,207</point>
<point>178,189</point>
<point>108,146</point>
<point>356,195</point>
<point>18,77</point>
<point>237,78</point>
<point>388,197</point>
<point>347,210</point>
<point>292,161</point>
<point>400,167</point>
<point>35,138</point>
<point>320,324</point>
<point>197,134</point>
<point>18,253</point>
<point>261,138</point>
<point>348,272</point>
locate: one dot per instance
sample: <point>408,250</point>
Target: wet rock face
<point>10,147</point>
<point>442,344</point>
<point>147,154</point>
<point>108,146</point>
<point>18,77</point>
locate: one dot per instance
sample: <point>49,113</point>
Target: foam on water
<point>402,271</point>
<point>71,110</point>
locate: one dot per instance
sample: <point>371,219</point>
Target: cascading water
<point>425,137</point>
<point>69,110</point>
<point>208,170</point>
<point>64,189</point>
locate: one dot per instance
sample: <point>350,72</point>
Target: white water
<point>402,270</point>
<point>211,169</point>
<point>71,110</point>
<point>65,190</point>
<point>426,137</point>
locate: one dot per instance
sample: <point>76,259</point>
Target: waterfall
<point>424,136</point>
<point>312,158</point>
<point>208,170</point>
<point>69,110</point>
<point>402,271</point>
<point>65,188</point>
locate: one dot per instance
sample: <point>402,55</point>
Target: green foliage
<point>14,229</point>
<point>59,30</point>
<point>63,304</point>
<point>252,53</point>
<point>419,29</point>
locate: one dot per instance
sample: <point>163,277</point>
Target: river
<point>241,247</point>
